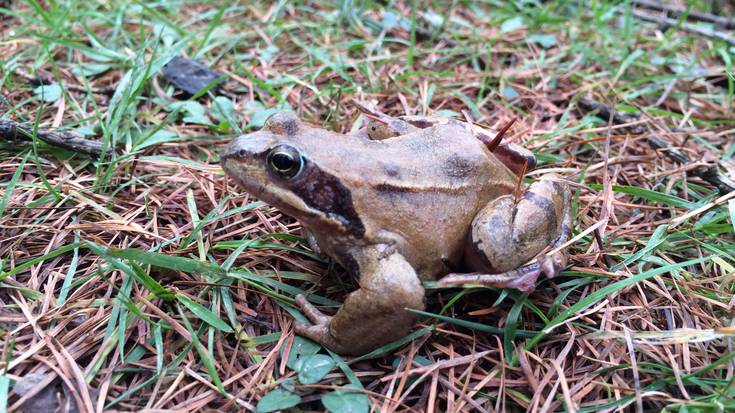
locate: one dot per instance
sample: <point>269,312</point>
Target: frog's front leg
<point>507,234</point>
<point>373,315</point>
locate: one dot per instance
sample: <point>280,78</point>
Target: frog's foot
<point>522,279</point>
<point>319,331</point>
<point>311,312</point>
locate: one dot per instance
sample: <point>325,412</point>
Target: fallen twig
<point>667,22</point>
<point>13,131</point>
<point>709,173</point>
<point>677,12</point>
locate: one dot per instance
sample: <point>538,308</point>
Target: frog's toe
<point>311,312</point>
<point>553,264</point>
<point>522,279</point>
<point>320,334</point>
<point>526,283</point>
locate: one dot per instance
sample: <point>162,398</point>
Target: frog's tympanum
<point>425,201</point>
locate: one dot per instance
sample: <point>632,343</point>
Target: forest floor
<point>144,280</point>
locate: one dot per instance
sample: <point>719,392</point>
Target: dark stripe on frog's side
<point>325,192</point>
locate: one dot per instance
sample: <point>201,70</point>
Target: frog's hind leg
<point>517,158</point>
<point>373,315</point>
<point>507,234</point>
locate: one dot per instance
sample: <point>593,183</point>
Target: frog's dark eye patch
<point>285,161</point>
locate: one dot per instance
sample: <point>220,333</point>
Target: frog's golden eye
<point>285,161</point>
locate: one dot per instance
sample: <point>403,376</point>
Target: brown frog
<point>397,210</point>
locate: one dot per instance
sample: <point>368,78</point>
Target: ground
<point>145,280</point>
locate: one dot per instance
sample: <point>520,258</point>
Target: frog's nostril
<point>234,152</point>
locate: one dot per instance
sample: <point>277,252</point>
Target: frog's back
<point>422,191</point>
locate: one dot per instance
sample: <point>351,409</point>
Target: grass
<point>147,281</point>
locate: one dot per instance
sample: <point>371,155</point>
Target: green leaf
<point>544,40</point>
<point>90,69</point>
<point>87,130</point>
<point>258,117</point>
<point>300,348</point>
<point>155,138</point>
<point>204,313</point>
<point>390,20</point>
<point>731,208</point>
<point>277,399</point>
<point>194,112</point>
<point>268,53</point>
<point>160,350</point>
<point>4,385</point>
<point>311,369</point>
<point>509,92</point>
<point>48,93</point>
<point>346,401</point>
<point>511,24</point>
<point>223,109</point>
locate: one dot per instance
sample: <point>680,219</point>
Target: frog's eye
<point>285,161</point>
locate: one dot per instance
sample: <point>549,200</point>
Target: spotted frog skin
<point>426,202</point>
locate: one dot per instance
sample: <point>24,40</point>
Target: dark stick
<point>12,131</point>
<point>665,21</point>
<point>709,173</point>
<point>677,12</point>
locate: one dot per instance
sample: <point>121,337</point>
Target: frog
<point>430,202</point>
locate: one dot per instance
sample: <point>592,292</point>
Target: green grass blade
<point>603,292</point>
<point>206,358</point>
<point>474,326</point>
<point>11,184</point>
<point>204,313</point>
